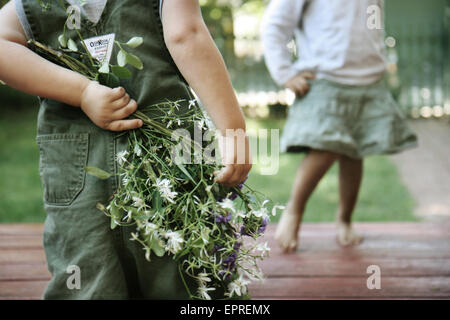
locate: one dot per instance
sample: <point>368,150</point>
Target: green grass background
<point>383,197</point>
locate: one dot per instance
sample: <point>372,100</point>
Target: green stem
<point>184,281</point>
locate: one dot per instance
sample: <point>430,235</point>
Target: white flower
<point>192,103</point>
<point>205,234</point>
<point>128,216</point>
<point>174,241</point>
<point>253,273</point>
<point>275,208</point>
<point>137,150</point>
<point>261,213</point>
<point>203,291</point>
<point>241,214</point>
<point>164,189</point>
<point>263,248</point>
<point>125,180</point>
<point>203,277</point>
<point>238,287</point>
<point>121,157</point>
<point>227,204</point>
<point>150,228</point>
<point>138,203</point>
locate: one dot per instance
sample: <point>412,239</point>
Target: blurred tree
<point>218,16</point>
<point>3,2</point>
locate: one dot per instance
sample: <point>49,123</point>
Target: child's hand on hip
<point>299,84</point>
<point>235,150</point>
<point>108,108</point>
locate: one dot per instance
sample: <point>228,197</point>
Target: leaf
<point>72,45</point>
<point>109,80</point>
<point>62,41</point>
<point>97,172</point>
<point>104,68</point>
<point>134,61</point>
<point>2,83</point>
<point>122,58</point>
<point>121,72</point>
<point>135,42</point>
<point>156,247</point>
<point>157,201</point>
<point>114,211</point>
<point>183,169</point>
<point>113,224</point>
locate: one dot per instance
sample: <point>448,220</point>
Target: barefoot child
<point>79,123</point>
<point>343,112</point>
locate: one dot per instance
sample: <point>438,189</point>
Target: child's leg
<point>350,175</point>
<point>311,170</point>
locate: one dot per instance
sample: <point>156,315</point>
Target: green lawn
<point>20,186</point>
<point>383,197</point>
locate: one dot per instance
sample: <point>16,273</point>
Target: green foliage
<point>3,2</point>
<point>20,187</point>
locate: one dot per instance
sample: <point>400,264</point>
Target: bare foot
<point>287,231</point>
<point>346,236</point>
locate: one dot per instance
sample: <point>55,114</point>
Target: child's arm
<point>281,19</point>
<point>201,64</point>
<point>26,71</point>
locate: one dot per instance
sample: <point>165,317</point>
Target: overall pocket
<point>61,166</point>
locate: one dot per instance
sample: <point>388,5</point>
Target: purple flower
<point>222,219</point>
<point>217,247</point>
<point>229,263</point>
<point>233,196</point>
<point>230,259</point>
<point>225,275</point>
<point>263,226</point>
<point>243,232</point>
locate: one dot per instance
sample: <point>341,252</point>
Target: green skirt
<point>355,121</point>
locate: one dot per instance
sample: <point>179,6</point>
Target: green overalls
<point>76,233</point>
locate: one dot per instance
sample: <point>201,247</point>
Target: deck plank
<point>297,265</point>
<point>24,272</point>
<point>414,259</point>
<point>23,290</point>
<point>352,287</point>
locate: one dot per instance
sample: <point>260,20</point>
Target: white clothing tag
<point>101,47</point>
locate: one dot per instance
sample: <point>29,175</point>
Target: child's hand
<point>299,84</point>
<point>108,107</point>
<point>235,151</point>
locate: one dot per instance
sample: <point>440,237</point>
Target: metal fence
<point>423,61</point>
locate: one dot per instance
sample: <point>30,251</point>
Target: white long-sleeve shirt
<point>339,40</point>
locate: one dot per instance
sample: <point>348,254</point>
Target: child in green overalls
<point>79,125</point>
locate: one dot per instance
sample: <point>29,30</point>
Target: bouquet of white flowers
<point>178,208</point>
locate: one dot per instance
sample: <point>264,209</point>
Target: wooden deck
<point>414,259</point>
